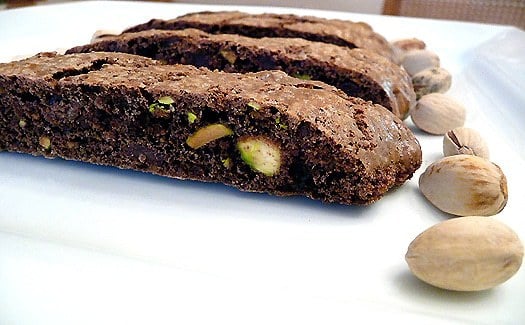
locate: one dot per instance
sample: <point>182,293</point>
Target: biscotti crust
<point>358,72</point>
<point>332,148</point>
<point>333,31</point>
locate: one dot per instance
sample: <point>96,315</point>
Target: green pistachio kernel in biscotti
<point>162,107</point>
<point>208,134</point>
<point>191,117</point>
<point>229,56</point>
<point>280,124</point>
<point>158,110</point>
<point>22,123</point>
<point>227,162</point>
<point>166,100</point>
<point>261,154</point>
<point>254,105</point>
<point>44,142</point>
<point>302,76</point>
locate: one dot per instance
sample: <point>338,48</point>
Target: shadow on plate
<point>429,208</point>
<point>417,290</point>
<point>81,180</point>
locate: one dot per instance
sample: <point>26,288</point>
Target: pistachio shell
<point>103,33</point>
<point>465,141</point>
<point>418,60</point>
<point>465,185</point>
<point>437,113</point>
<point>410,44</point>
<point>400,47</point>
<point>434,80</point>
<point>465,254</point>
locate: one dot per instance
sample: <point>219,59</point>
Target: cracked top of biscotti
<point>365,73</point>
<point>364,140</point>
<point>335,31</point>
<point>336,114</point>
<point>52,67</point>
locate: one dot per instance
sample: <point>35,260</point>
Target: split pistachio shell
<point>464,141</point>
<point>409,44</point>
<point>437,113</point>
<point>465,185</point>
<point>400,47</point>
<point>434,80</point>
<point>103,33</point>
<point>418,60</point>
<point>465,254</point>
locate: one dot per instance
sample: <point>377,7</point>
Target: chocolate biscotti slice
<point>358,72</point>
<point>340,32</point>
<point>263,132</point>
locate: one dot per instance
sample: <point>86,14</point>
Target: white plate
<point>84,244</point>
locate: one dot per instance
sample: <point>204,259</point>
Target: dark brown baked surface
<point>334,31</point>
<point>358,72</point>
<point>112,109</point>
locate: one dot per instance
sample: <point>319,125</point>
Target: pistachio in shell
<point>465,185</point>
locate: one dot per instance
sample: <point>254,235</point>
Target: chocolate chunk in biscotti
<point>262,132</point>
<point>340,32</point>
<point>358,72</point>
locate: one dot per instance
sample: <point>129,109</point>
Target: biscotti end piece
<point>339,32</point>
<point>358,72</point>
<point>131,112</point>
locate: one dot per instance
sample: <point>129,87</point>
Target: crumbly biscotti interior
<point>263,132</point>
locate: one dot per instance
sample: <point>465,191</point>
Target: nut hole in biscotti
<point>211,116</point>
